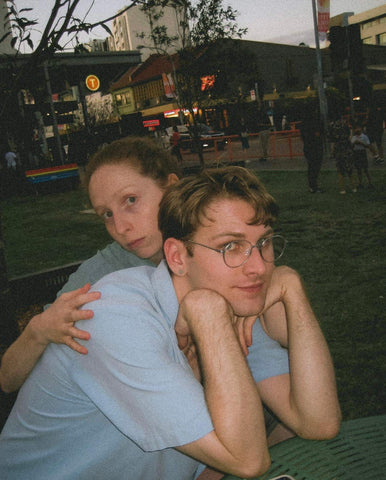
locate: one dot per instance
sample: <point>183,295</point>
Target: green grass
<point>335,241</point>
<point>49,230</point>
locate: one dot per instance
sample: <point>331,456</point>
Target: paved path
<point>282,163</point>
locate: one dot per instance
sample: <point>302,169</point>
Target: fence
<point>285,144</point>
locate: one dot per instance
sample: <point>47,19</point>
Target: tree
<point>203,24</point>
<point>62,27</point>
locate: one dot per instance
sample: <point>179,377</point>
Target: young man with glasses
<point>178,363</point>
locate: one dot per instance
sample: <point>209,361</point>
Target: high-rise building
<point>131,30</point>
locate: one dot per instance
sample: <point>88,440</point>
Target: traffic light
<point>346,48</point>
<point>355,55</point>
<point>338,48</point>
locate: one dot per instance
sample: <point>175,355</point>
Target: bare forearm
<point>313,394</point>
<point>230,391</point>
<point>20,358</point>
<point>232,397</point>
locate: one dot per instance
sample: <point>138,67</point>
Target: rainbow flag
<point>52,173</point>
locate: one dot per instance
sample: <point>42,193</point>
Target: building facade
<point>372,24</point>
<point>131,30</point>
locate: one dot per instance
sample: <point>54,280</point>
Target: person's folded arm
<point>306,399</point>
<point>237,445</point>
<point>54,325</point>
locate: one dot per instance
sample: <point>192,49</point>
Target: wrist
<point>36,330</point>
<point>205,306</point>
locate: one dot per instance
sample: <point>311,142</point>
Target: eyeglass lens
<point>237,252</point>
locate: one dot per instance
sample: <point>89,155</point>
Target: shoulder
<point>110,259</point>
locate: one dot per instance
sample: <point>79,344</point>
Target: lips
<point>253,288</point>
<point>136,243</point>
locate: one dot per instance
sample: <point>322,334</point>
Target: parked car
<point>208,137</point>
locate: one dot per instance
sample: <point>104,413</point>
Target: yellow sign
<point>93,83</point>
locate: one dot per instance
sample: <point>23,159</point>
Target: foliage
<point>202,24</point>
<point>63,25</point>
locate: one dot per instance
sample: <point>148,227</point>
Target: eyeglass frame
<point>259,244</point>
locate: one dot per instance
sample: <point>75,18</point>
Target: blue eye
<point>131,200</point>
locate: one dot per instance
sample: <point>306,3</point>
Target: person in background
<point>265,128</point>
<point>284,123</point>
<point>339,135</point>
<point>361,144</point>
<point>374,130</point>
<point>175,140</point>
<point>244,136</point>
<point>151,398</point>
<point>11,160</point>
<point>312,135</point>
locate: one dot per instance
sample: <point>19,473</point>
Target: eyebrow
<point>239,235</point>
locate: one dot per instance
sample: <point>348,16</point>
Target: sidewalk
<point>280,164</point>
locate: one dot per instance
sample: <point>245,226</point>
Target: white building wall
<point>132,23</point>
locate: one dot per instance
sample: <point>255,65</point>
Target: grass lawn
<point>335,241</point>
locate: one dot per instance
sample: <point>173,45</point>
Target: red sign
<point>207,82</point>
<point>150,123</point>
<point>93,83</point>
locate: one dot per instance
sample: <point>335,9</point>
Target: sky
<point>276,21</point>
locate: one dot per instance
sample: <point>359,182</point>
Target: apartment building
<point>372,24</point>
<point>132,23</point>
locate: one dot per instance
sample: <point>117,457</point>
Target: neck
<point>181,286</point>
<point>156,259</point>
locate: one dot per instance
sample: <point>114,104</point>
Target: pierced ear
<point>175,253</point>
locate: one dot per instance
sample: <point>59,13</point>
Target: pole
<point>53,114</point>
<point>322,95</point>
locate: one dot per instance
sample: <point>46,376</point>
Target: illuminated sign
<point>93,83</point>
<point>150,123</point>
<point>174,113</point>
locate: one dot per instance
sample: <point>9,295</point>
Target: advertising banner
<point>323,18</point>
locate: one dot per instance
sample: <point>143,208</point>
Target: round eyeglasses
<point>237,252</point>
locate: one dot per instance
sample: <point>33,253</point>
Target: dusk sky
<point>278,21</point>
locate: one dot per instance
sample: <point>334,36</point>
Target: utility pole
<point>322,94</point>
<point>53,114</point>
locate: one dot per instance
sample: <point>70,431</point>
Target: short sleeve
<point>136,375</point>
<point>267,358</point>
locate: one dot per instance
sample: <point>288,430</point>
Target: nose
<point>121,223</point>
<point>255,263</point>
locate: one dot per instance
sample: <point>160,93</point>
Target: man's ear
<point>172,179</point>
<point>175,255</point>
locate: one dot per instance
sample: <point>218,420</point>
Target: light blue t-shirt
<point>118,412</point>
<point>110,259</point>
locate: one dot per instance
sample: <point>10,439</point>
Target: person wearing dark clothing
<point>339,136</point>
<point>244,136</point>
<point>311,133</point>
<point>175,141</point>
<point>374,130</point>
